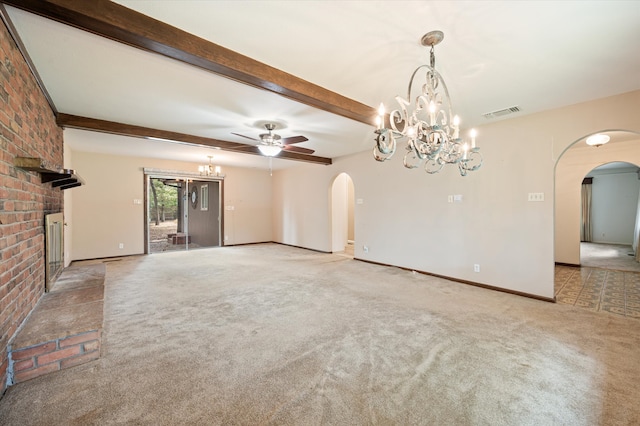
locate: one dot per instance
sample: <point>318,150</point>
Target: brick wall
<point>55,355</point>
<point>27,128</point>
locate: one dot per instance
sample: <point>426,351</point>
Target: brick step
<point>54,355</point>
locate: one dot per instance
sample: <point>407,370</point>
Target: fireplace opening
<point>54,248</point>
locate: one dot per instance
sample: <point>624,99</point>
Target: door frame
<point>151,173</point>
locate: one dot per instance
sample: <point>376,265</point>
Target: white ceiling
<point>537,55</point>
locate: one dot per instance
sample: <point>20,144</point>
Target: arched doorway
<point>342,214</point>
<point>595,287</point>
<point>571,168</point>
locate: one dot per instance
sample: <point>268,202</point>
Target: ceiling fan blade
<point>298,149</point>
<point>248,137</point>
<point>293,139</point>
<point>246,148</point>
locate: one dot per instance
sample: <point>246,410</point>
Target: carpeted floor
<point>270,334</point>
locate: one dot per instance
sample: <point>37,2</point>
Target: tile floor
<point>617,292</point>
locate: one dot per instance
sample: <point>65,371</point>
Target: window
<point>204,197</point>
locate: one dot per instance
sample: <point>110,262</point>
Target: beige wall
<point>574,165</point>
<point>405,219</point>
<point>301,206</point>
<point>248,191</point>
<point>104,214</point>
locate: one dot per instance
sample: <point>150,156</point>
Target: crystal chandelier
<point>209,169</point>
<point>431,130</point>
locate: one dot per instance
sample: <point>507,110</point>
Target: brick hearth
<point>65,328</point>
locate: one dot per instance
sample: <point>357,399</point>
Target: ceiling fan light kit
<point>431,130</point>
<point>269,150</point>
<point>270,144</point>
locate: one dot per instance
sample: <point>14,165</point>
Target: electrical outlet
<point>476,268</point>
<point>365,249</point>
<point>121,245</point>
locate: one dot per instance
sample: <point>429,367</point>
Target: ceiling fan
<point>270,144</point>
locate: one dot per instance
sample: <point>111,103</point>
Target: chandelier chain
<point>432,57</point>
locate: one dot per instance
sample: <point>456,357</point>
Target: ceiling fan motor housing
<point>272,139</point>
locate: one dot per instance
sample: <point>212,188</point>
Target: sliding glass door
<point>182,213</point>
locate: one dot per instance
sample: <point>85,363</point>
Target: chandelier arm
<point>413,76</point>
<point>417,147</point>
<point>437,166</point>
<point>439,78</point>
<point>462,168</point>
<point>474,161</point>
<point>396,117</point>
<point>378,156</point>
<point>449,152</point>
<point>409,160</point>
<point>385,145</point>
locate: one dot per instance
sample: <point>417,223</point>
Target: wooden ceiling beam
<point>85,123</point>
<point>116,22</point>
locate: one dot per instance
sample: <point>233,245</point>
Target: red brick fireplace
<point>27,129</point>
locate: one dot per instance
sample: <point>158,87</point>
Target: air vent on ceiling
<point>501,112</point>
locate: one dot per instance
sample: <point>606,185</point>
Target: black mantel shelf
<point>59,178</point>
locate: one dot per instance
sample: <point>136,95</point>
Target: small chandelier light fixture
<point>209,169</point>
<point>598,140</point>
<point>430,129</point>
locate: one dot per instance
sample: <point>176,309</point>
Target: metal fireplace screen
<point>54,251</point>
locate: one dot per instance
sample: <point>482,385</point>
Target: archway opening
<point>342,215</point>
<point>575,163</point>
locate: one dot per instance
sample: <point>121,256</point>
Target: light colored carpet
<point>270,334</point>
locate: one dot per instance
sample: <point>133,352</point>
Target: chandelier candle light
<point>431,130</point>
